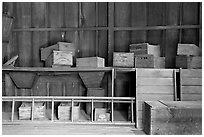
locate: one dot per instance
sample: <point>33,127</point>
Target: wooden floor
<point>67,129</point>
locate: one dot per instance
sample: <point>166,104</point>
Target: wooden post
<point>72,110</point>
<point>112,83</point>
<point>97,34</point>
<point>52,115</point>
<point>175,85</point>
<point>32,110</point>
<point>12,112</point>
<point>200,29</point>
<point>180,69</point>
<point>112,113</point>
<point>132,114</point>
<point>92,108</point>
<point>136,99</point>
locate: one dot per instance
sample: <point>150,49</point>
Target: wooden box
<point>96,92</point>
<point>191,62</point>
<point>59,58</point>
<point>149,61</point>
<point>90,62</point>
<point>76,112</point>
<point>25,111</point>
<point>173,117</point>
<point>145,48</point>
<point>101,115</point>
<point>188,49</point>
<point>64,111</point>
<point>60,46</point>
<point>123,59</point>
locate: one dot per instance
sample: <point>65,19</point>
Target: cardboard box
<point>59,58</point>
<point>101,115</point>
<point>189,62</point>
<point>123,59</point>
<point>60,46</point>
<point>145,48</point>
<point>90,62</point>
<point>188,49</point>
<point>149,61</point>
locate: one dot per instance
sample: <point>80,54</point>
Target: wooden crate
<point>90,62</point>
<point>92,79</point>
<point>59,58</point>
<point>123,59</point>
<point>145,48</point>
<point>25,111</point>
<point>149,61</point>
<point>76,112</point>
<point>6,27</point>
<point>96,92</point>
<point>191,62</point>
<point>64,111</point>
<point>101,115</point>
<point>173,118</point>
<point>153,85</point>
<point>60,46</point>
<point>191,84</point>
<point>188,49</point>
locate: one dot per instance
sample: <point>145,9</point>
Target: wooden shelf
<point>125,69</point>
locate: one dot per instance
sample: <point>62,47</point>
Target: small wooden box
<point>149,61</point>
<point>123,59</point>
<point>173,117</point>
<point>90,62</point>
<point>59,58</point>
<point>188,49</point>
<point>101,115</point>
<point>64,111</point>
<point>60,46</point>
<point>189,62</point>
<point>96,92</point>
<point>25,111</point>
<point>145,48</point>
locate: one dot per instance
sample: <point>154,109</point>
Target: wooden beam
<point>52,115</point>
<point>12,112</point>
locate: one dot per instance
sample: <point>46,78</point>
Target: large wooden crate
<point>188,49</point>
<point>153,85</point>
<point>60,46</point>
<point>173,118</point>
<point>191,62</point>
<point>95,92</point>
<point>64,111</point>
<point>59,58</point>
<point>149,61</point>
<point>101,115</point>
<point>145,48</point>
<point>191,84</point>
<point>123,59</point>
<point>90,62</point>
<point>26,108</point>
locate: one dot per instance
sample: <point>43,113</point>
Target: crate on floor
<point>101,115</point>
<point>188,49</point>
<point>145,48</point>
<point>123,59</point>
<point>90,62</point>
<point>149,61</point>
<point>76,112</point>
<point>60,46</point>
<point>59,58</point>
<point>26,108</point>
<point>64,111</point>
<point>189,62</point>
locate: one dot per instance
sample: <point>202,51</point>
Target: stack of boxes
<point>188,57</point>
<point>58,55</point>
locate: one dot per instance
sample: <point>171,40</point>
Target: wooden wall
<point>41,24</point>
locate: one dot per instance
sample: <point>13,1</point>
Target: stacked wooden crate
<point>147,56</point>
<point>153,85</point>
<point>38,111</point>
<point>188,56</point>
<point>123,59</point>
<point>59,55</point>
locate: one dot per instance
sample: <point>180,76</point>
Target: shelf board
<point>46,69</point>
<point>125,69</point>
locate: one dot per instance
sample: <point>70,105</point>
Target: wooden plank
<point>39,39</point>
<point>191,89</point>
<point>23,20</point>
<point>122,19</point>
<point>191,97</point>
<point>155,89</point>
<point>155,97</point>
<point>193,73</point>
<point>171,35</point>
<point>138,18</point>
<point>154,73</point>
<point>155,81</point>
<point>192,81</point>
